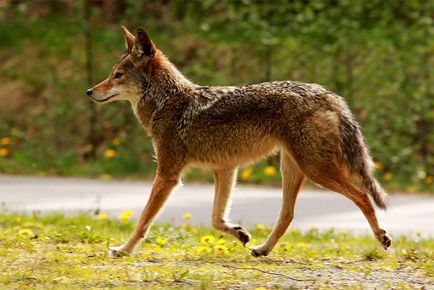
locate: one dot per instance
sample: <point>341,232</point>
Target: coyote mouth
<point>106,99</point>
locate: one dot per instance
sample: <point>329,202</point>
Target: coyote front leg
<point>224,182</point>
<point>161,190</point>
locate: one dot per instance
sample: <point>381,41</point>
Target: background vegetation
<point>377,54</point>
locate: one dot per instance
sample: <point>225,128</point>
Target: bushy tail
<point>371,185</point>
<point>357,158</point>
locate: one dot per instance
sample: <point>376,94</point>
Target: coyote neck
<point>168,85</point>
<point>168,81</point>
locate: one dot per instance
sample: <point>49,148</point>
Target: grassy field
<point>61,252</point>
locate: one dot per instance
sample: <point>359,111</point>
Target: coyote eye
<point>118,75</point>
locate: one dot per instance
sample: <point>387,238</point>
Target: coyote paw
<point>259,251</point>
<point>384,239</point>
<point>118,251</point>
<point>242,234</point>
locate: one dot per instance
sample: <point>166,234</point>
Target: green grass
<point>56,251</point>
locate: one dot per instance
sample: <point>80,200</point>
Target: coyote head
<point>130,77</point>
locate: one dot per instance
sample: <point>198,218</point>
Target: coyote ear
<point>129,39</point>
<point>143,44</point>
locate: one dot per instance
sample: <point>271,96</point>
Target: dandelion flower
<point>109,153</point>
<point>344,233</point>
<point>203,250</point>
<point>5,141</point>
<point>4,152</point>
<point>125,216</point>
<point>270,170</point>
<point>26,232</point>
<point>160,241</point>
<point>429,179</point>
<point>103,217</point>
<point>18,219</point>
<point>260,288</point>
<point>207,239</point>
<point>388,176</point>
<point>296,232</point>
<point>302,245</point>
<point>116,141</point>
<point>287,247</point>
<point>260,227</point>
<point>246,173</point>
<point>220,249</point>
<point>221,242</point>
<point>186,216</point>
<point>419,233</point>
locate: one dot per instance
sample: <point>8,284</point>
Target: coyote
<point>224,127</point>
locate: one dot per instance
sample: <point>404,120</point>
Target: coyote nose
<point>89,92</point>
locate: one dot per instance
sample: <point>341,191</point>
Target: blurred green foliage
<point>377,54</point>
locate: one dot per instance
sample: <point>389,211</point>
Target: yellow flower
<point>428,179</point>
<point>203,250</point>
<point>378,165</point>
<point>270,170</point>
<point>125,216</point>
<point>186,216</point>
<point>18,219</point>
<point>4,152</point>
<point>116,141</point>
<point>160,241</point>
<point>302,245</point>
<point>5,141</point>
<point>26,232</point>
<point>246,173</point>
<point>103,217</point>
<point>296,232</point>
<point>207,239</point>
<point>185,226</point>
<point>220,249</point>
<point>260,227</point>
<point>260,288</point>
<point>388,176</point>
<point>221,242</point>
<point>109,153</point>
<point>419,233</point>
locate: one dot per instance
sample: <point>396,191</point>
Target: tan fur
<point>222,128</point>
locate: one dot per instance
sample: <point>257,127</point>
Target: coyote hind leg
<point>292,180</point>
<point>333,179</point>
<point>224,182</point>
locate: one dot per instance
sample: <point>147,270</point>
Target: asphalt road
<point>250,206</point>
